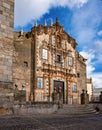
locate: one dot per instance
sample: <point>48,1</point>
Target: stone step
<point>75,112</point>
<point>76,109</point>
<point>77,105</point>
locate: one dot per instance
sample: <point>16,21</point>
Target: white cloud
<point>71,3</point>
<point>85,22</point>
<point>97,80</point>
<point>99,58</point>
<point>85,35</point>
<point>89,55</point>
<point>28,10</point>
<point>100,33</point>
<point>98,45</point>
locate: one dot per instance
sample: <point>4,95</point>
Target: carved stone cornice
<point>55,69</point>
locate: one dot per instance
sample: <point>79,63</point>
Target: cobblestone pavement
<point>51,122</point>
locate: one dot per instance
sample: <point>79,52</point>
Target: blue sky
<point>82,19</point>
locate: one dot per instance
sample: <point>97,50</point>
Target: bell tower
<point>6,47</point>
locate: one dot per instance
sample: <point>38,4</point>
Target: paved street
<point>51,122</point>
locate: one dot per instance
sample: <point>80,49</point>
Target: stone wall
<point>34,109</point>
<point>6,48</point>
<point>6,18</point>
<point>22,62</point>
<point>81,73</point>
<point>6,38</point>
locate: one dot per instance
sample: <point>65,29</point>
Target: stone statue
<point>84,97</point>
<point>100,97</point>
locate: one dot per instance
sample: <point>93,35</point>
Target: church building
<point>46,60</point>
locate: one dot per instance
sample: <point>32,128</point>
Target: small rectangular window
<point>63,63</point>
<point>70,61</point>
<point>53,60</point>
<point>58,58</point>
<point>78,75</point>
<point>25,64</point>
<point>44,54</point>
<point>63,44</point>
<point>39,83</point>
<point>74,87</point>
<point>53,40</point>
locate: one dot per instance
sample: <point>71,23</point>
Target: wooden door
<point>59,87</point>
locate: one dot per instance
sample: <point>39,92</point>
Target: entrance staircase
<point>76,110</point>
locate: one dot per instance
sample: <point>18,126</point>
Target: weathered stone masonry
<point>22,63</point>
<point>6,46</point>
<point>53,64</point>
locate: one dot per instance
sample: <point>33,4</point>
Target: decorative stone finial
<point>57,22</point>
<point>35,24</point>
<point>51,22</point>
<point>22,31</point>
<point>56,19</point>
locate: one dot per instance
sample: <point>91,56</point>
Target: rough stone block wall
<point>81,75</point>
<point>6,38</point>
<point>6,18</point>
<point>22,63</point>
<point>6,44</point>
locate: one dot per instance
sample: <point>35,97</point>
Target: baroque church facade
<point>46,60</point>
<point>40,62</point>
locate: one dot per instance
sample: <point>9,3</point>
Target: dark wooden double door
<point>59,87</point>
